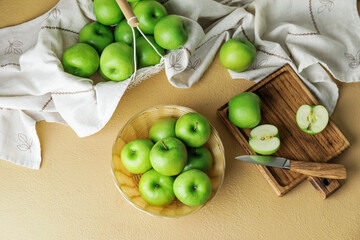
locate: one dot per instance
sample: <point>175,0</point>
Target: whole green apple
<point>123,33</point>
<point>264,139</point>
<point>133,4</point>
<point>117,61</point>
<point>193,129</point>
<point>162,128</point>
<point>237,54</point>
<point>107,12</point>
<point>168,156</point>
<point>171,32</point>
<point>193,187</point>
<point>199,158</point>
<point>156,189</point>
<point>96,35</point>
<point>135,155</point>
<point>146,55</point>
<point>81,60</point>
<point>244,110</point>
<point>312,119</point>
<point>149,13</point>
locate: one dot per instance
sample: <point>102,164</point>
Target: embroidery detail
<point>7,64</point>
<point>59,28</point>
<point>258,64</point>
<point>14,47</point>
<point>326,4</point>
<point>174,61</point>
<point>355,60</point>
<point>193,65</point>
<point>25,144</point>
<point>314,23</point>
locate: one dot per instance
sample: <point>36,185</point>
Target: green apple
<point>81,60</point>
<point>244,110</point>
<point>237,54</point>
<point>146,55</point>
<point>133,4</point>
<point>162,128</point>
<point>123,33</point>
<point>149,13</point>
<point>156,189</point>
<point>168,156</point>
<point>264,139</point>
<point>193,187</point>
<point>107,12</point>
<point>135,155</point>
<point>312,119</point>
<point>199,158</point>
<point>117,61</point>
<point>193,129</point>
<point>96,35</point>
<point>171,32</point>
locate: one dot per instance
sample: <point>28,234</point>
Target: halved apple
<point>264,139</point>
<point>312,119</point>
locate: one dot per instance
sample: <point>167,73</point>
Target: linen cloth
<point>34,87</point>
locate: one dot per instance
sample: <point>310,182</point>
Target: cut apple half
<point>312,119</point>
<point>264,139</point>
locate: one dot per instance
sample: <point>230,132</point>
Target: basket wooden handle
<point>324,170</point>
<point>128,13</point>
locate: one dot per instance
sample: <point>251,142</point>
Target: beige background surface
<point>73,196</point>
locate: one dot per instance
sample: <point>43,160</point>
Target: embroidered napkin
<point>34,86</point>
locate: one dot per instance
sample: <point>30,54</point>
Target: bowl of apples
<point>168,161</point>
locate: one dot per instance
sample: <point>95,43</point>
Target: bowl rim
<point>220,144</point>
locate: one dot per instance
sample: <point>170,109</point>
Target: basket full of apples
<point>168,161</point>
<point>112,43</point>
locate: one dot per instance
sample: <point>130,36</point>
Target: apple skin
<point>171,160</point>
<point>316,113</point>
<point>135,155</point>
<point>171,32</point>
<point>123,33</point>
<point>149,13</point>
<point>237,54</point>
<point>156,189</point>
<point>107,12</point>
<point>96,35</point>
<point>81,60</point>
<point>117,61</point>
<point>199,158</point>
<point>146,55</point>
<point>193,187</point>
<point>193,129</point>
<point>261,136</point>
<point>245,110</point>
<point>162,128</point>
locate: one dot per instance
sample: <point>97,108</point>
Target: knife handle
<point>323,170</point>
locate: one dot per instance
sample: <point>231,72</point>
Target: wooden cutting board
<point>282,93</point>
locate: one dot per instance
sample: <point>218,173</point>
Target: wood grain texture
<point>282,93</point>
<point>127,183</point>
<point>323,170</point>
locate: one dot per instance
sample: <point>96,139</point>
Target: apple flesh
<point>96,35</point>
<point>193,187</point>
<point>237,54</point>
<point>135,155</point>
<point>199,158</point>
<point>149,13</point>
<point>193,129</point>
<point>171,32</point>
<point>156,189</point>
<point>244,110</point>
<point>168,156</point>
<point>264,139</point>
<point>117,61</point>
<point>81,60</point>
<point>312,119</point>
<point>162,128</point>
<point>107,12</point>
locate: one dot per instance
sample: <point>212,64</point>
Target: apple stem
<point>194,188</point>
<point>133,152</point>
<point>164,145</point>
<point>196,124</point>
<point>157,186</point>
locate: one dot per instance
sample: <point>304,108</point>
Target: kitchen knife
<point>324,170</point>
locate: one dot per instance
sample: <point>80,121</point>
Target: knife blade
<point>324,170</point>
